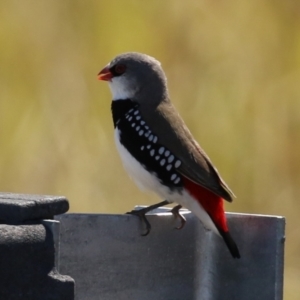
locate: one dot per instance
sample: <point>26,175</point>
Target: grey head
<point>136,76</point>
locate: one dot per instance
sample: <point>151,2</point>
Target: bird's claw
<point>141,213</point>
<point>177,214</point>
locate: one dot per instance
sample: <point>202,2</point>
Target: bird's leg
<point>142,214</point>
<point>177,214</point>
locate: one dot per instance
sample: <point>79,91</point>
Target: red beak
<point>105,74</point>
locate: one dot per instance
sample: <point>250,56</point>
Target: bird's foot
<point>141,213</point>
<point>177,214</point>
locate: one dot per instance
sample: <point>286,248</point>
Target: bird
<point>158,150</point>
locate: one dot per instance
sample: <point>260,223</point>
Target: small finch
<point>158,150</point>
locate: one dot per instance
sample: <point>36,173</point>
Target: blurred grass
<point>233,69</point>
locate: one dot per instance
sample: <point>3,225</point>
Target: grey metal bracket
<point>109,259</point>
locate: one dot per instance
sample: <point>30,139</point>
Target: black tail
<point>230,244</point>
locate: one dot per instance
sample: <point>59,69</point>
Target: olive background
<point>233,71</point>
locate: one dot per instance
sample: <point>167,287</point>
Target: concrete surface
<point>17,208</point>
<point>29,249</point>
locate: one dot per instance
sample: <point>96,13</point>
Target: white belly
<point>147,181</point>
<point>143,179</point>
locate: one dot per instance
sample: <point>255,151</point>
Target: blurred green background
<point>234,74</point>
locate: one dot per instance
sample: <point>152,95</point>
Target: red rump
<point>212,203</point>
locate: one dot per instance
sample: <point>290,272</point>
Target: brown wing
<point>174,135</point>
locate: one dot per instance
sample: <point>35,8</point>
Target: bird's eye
<point>120,69</point>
